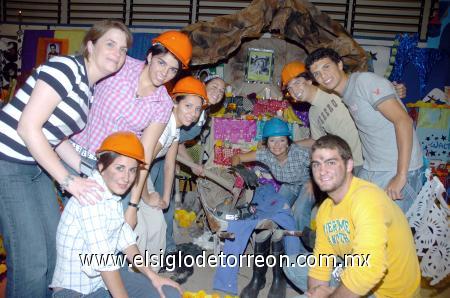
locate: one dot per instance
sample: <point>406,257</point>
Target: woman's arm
<point>197,169</point>
<point>243,157</point>
<point>69,155</point>
<point>157,281</point>
<point>42,103</point>
<point>169,174</point>
<point>114,283</point>
<point>149,139</point>
<point>183,152</point>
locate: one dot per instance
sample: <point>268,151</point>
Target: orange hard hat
<point>125,143</point>
<point>178,44</point>
<point>190,85</point>
<point>290,71</point>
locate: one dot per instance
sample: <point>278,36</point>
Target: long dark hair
<point>106,159</point>
<point>159,49</point>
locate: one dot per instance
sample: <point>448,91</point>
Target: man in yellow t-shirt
<point>358,219</point>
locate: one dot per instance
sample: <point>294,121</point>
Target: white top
<point>89,233</point>
<point>170,134</point>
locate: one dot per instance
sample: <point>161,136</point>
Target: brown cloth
<point>296,21</point>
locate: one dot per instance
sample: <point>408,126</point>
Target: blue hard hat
<point>276,127</point>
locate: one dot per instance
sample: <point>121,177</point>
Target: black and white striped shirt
<point>67,76</point>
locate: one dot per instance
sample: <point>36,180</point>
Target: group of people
<point>93,124</point>
<point>104,127</point>
<point>364,154</point>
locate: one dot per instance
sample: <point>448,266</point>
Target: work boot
<point>258,280</point>
<point>278,288</point>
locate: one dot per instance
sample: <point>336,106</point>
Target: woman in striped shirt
<point>52,105</point>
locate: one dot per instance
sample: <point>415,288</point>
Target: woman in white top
<point>189,95</point>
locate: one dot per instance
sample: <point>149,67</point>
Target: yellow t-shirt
<point>367,222</point>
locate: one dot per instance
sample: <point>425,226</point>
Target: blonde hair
<point>99,29</point>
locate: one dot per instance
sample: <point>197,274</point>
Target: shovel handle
<point>209,174</point>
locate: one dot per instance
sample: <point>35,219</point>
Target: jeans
<point>136,284</point>
<point>302,206</point>
<point>157,176</point>
<point>29,216</point>
<point>409,191</point>
<point>299,277</point>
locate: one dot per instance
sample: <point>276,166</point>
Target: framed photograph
<point>259,66</point>
<point>50,47</point>
<point>203,73</point>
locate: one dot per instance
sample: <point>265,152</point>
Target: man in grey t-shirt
<point>392,154</point>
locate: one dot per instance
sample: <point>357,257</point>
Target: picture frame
<point>50,47</point>
<point>203,73</point>
<point>259,66</point>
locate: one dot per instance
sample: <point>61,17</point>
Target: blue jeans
<point>136,284</point>
<point>409,192</point>
<point>157,176</point>
<point>299,277</point>
<point>303,203</point>
<point>29,216</point>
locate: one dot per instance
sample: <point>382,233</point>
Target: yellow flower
<point>184,218</point>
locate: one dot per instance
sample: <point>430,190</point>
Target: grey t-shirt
<point>362,95</point>
<point>329,115</point>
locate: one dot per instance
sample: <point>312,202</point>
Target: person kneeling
<point>89,236</point>
<point>358,222</point>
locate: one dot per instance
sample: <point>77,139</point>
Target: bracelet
<point>66,181</point>
<point>133,205</point>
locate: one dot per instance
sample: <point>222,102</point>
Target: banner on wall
<point>8,60</point>
<point>74,38</point>
<point>433,132</point>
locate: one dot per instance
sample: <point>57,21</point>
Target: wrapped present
<point>234,130</point>
<point>222,155</point>
<point>269,106</point>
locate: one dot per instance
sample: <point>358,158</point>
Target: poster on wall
<point>259,65</point>
<point>9,57</point>
<point>50,47</point>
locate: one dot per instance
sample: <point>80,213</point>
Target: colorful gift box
<point>234,130</point>
<point>269,106</point>
<point>222,156</point>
